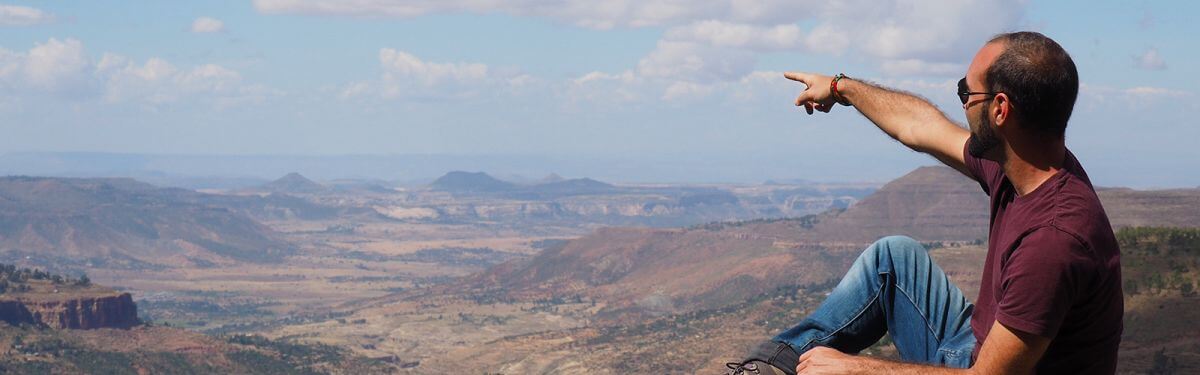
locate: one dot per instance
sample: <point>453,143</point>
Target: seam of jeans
<point>923,315</point>
<point>778,349</point>
<point>861,311</point>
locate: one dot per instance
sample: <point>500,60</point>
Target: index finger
<point>797,76</point>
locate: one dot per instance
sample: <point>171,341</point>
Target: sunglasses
<point>964,93</point>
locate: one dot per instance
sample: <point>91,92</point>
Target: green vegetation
<point>14,279</point>
<point>806,221</point>
<point>1159,240</point>
<point>281,357</point>
<point>1161,272</point>
<point>1160,261</point>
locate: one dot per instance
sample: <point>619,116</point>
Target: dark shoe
<point>755,367</point>
<point>770,358</point>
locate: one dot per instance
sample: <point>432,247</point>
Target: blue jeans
<point>893,287</point>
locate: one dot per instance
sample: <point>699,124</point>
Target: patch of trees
<point>806,222</point>
<point>1160,260</point>
<point>266,356</point>
<point>14,279</point>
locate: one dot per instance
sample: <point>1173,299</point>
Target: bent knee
<point>898,241</point>
<point>895,246</point>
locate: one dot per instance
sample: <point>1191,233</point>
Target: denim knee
<point>892,249</point>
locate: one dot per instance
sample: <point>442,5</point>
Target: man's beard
<point>983,137</point>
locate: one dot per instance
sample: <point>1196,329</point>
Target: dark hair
<point>1040,79</point>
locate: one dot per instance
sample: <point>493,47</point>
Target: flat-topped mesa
<point>114,310</point>
<point>42,299</point>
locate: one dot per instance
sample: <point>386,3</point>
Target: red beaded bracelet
<point>837,96</point>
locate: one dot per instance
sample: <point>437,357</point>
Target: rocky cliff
<point>83,312</point>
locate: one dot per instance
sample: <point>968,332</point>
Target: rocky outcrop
<point>111,311</point>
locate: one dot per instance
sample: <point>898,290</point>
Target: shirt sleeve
<point>1039,281</point>
<point>986,172</point>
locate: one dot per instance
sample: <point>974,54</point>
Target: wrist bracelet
<point>837,96</point>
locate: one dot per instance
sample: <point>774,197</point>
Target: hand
<point>817,95</point>
<point>823,360</point>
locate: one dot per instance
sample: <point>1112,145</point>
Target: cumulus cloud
<point>402,66</point>
<point>726,34</point>
<point>207,25</point>
<point>404,75</point>
<point>931,31</point>
<point>63,68</point>
<point>157,81</point>
<point>911,67</point>
<point>934,31</point>
<point>14,15</point>
<point>59,67</point>
<point>694,62</point>
<point>600,88</point>
<point>583,13</point>
<point>711,44</point>
<point>1150,60</point>
<point>1138,97</point>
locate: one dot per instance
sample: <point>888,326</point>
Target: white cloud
<point>707,45</point>
<point>58,66</point>
<point>687,90</point>
<point>63,68</point>
<point>694,62</point>
<point>13,15</point>
<point>600,88</point>
<point>404,75</point>
<point>402,66</point>
<point>1147,91</point>
<point>584,13</point>
<point>209,77</point>
<point>734,35</point>
<point>911,67</point>
<point>157,81</point>
<point>938,31</point>
<point>355,89</point>
<point>1150,60</point>
<point>207,25</point>
<point>1138,97</point>
<point>626,76</point>
<point>933,31</point>
<point>903,38</point>
<point>10,65</point>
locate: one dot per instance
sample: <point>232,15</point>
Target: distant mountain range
<point>687,269</point>
<point>247,171</point>
<point>125,223</point>
<point>553,186</point>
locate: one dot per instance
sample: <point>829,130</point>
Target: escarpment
<point>82,312</point>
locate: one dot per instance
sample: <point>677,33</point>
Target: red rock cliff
<point>85,312</point>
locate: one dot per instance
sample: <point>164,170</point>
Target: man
<point>1050,299</point>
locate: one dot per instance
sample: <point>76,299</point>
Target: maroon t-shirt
<point>1053,269</point>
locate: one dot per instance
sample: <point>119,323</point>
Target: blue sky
<point>656,81</point>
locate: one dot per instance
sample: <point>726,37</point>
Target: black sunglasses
<point>964,94</point>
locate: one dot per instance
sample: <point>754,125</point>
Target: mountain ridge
<point>122,221</point>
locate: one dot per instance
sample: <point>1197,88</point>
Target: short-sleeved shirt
<point>1053,268</point>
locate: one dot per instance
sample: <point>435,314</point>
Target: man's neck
<point>1029,168</point>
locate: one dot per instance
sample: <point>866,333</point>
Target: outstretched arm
<point>1005,351</point>
<point>905,117</point>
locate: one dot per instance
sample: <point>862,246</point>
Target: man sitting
<point>1050,299</point>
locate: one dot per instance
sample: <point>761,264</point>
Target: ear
<point>1001,109</point>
